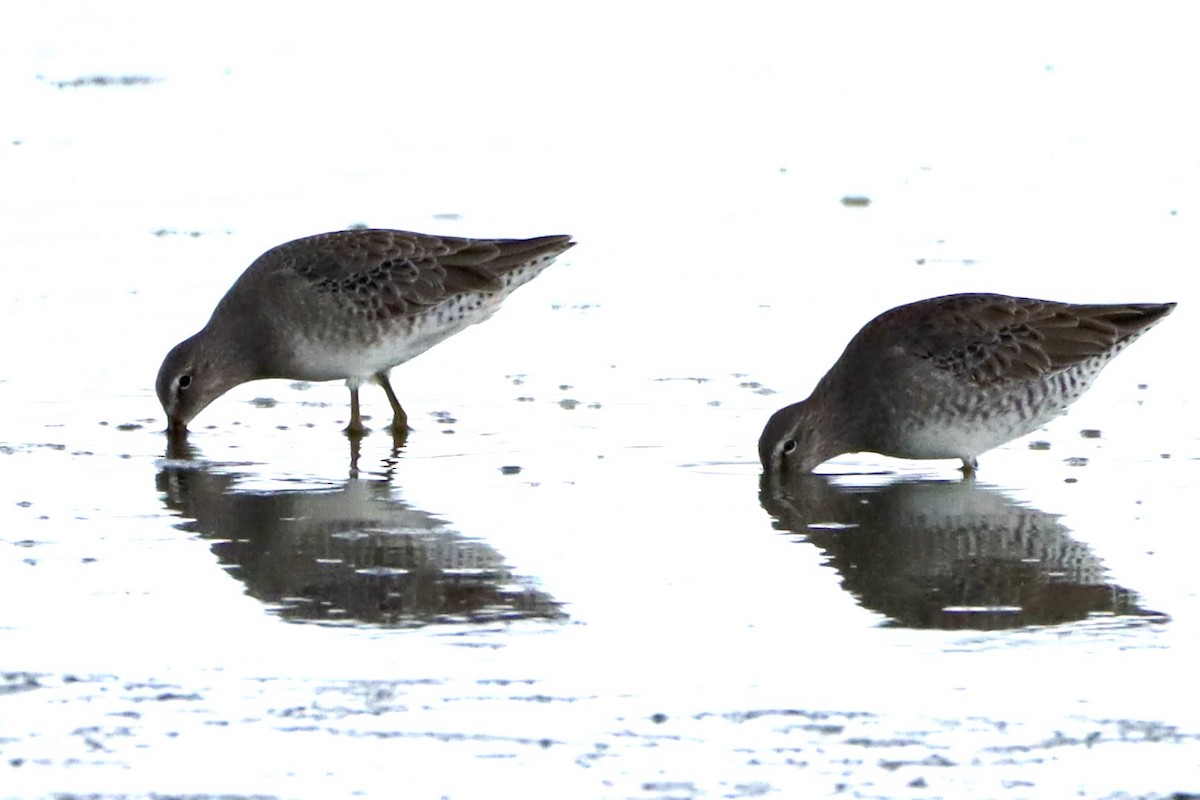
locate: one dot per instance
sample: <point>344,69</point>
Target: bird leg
<point>969,466</point>
<point>355,428</point>
<point>399,419</point>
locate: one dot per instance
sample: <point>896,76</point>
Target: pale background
<point>699,154</point>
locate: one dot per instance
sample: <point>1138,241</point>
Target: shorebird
<point>952,377</point>
<point>346,305</point>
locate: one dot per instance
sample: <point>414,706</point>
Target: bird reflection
<point>347,555</point>
<point>953,555</point>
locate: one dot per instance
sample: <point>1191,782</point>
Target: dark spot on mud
<point>106,80</point>
<point>175,232</point>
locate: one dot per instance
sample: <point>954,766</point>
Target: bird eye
<point>185,381</point>
<point>789,447</point>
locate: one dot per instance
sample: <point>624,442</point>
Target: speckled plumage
<point>952,377</point>
<point>345,305</point>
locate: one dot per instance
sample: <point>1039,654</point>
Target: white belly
<point>358,356</point>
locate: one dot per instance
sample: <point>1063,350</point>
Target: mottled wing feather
<point>392,273</point>
<point>988,339</point>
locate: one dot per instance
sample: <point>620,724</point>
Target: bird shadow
<point>352,553</point>
<point>948,554</point>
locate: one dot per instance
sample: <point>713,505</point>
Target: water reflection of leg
<point>399,439</point>
<point>355,452</point>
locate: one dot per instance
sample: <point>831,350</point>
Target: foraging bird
<point>952,377</point>
<point>345,305</point>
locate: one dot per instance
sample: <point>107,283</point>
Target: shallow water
<point>570,581</point>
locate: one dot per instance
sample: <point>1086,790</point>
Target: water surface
<point>570,581</point>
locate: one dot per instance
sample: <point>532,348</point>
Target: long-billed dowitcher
<point>345,305</point>
<point>953,377</point>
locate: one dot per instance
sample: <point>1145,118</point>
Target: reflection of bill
<point>948,554</point>
<point>349,555</point>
